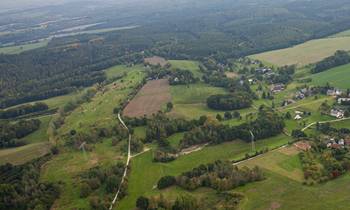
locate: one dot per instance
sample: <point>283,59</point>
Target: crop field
<point>150,99</point>
<point>337,77</point>
<point>23,154</point>
<point>100,110</point>
<point>143,165</point>
<point>67,166</point>
<point>306,53</point>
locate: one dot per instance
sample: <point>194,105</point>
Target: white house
<point>297,117</point>
<point>337,113</point>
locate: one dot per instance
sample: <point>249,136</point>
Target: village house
<point>262,70</point>
<point>338,113</point>
<point>334,92</point>
<point>287,102</point>
<point>297,117</point>
<point>342,100</point>
<point>277,88</point>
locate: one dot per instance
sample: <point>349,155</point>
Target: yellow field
<point>306,53</point>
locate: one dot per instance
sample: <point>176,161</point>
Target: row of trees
<point>21,188</point>
<point>11,133</point>
<point>220,175</point>
<point>234,101</point>
<point>181,77</point>
<point>267,124</point>
<point>23,110</point>
<point>338,59</point>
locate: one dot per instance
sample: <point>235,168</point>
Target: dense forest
<point>240,28</point>
<point>20,187</point>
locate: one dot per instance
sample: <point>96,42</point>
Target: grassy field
<point>41,134</point>
<point>23,154</point>
<point>193,66</point>
<point>282,193</point>
<point>99,112</point>
<point>306,53</point>
<point>338,77</point>
<point>22,48</point>
<point>190,101</point>
<point>69,164</point>
<point>145,173</point>
<point>342,34</point>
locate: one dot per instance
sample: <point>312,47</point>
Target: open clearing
<point>156,60</point>
<point>337,77</point>
<point>190,65</point>
<point>150,99</point>
<point>306,53</point>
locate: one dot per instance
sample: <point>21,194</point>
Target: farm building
<point>338,113</point>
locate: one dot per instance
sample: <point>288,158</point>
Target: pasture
<point>337,77</point>
<point>190,101</point>
<point>156,60</point>
<point>145,173</point>
<point>150,99</point>
<point>305,53</point>
<point>190,65</point>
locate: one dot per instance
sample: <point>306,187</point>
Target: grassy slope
<point>100,110</point>
<point>69,164</point>
<point>145,173</point>
<point>306,53</point>
<point>20,155</point>
<point>338,77</point>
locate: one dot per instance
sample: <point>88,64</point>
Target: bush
<point>165,182</point>
<point>85,190</point>
<point>142,203</point>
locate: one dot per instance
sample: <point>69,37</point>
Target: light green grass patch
<point>337,77</point>
<point>193,66</point>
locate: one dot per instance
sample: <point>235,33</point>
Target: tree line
<point>339,58</point>
<point>11,134</point>
<point>23,110</point>
<point>267,124</point>
<point>220,175</point>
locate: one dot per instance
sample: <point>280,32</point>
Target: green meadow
<point>337,77</point>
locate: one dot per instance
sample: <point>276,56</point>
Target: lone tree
<point>142,203</point>
<point>169,106</point>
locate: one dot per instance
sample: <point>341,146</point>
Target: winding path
<point>322,122</point>
<point>126,166</point>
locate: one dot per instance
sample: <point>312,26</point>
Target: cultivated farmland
<point>150,99</point>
